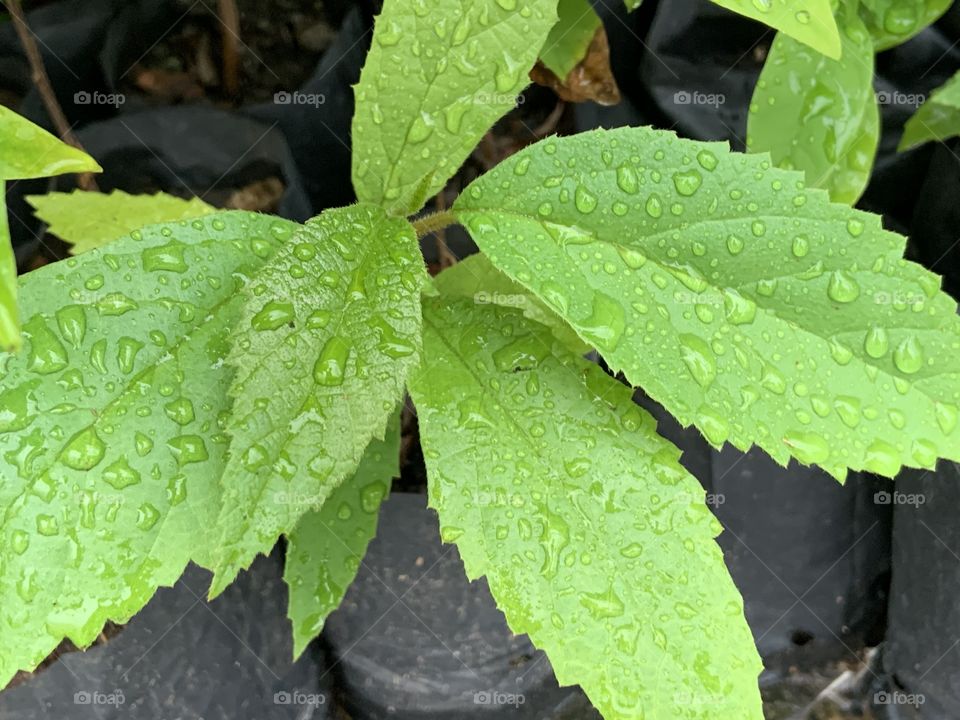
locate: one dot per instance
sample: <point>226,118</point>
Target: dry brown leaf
<point>591,79</point>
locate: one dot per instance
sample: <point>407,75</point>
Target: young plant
<point>198,388</point>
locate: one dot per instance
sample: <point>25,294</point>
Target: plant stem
<point>42,81</point>
<point>444,256</point>
<point>433,222</point>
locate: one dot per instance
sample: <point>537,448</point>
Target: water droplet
<point>420,129</point>
<point>801,246</point>
<point>72,321</point>
<point>707,160</point>
<point>882,458</point>
<point>699,359</point>
<point>714,427</point>
<point>273,315</point>
<point>848,408</point>
<point>167,257</point>
<point>842,287</point>
<point>180,411</point>
<point>687,182</point>
<point>188,449</point>
<point>331,367</point>
<point>876,343</point>
<point>809,448</point>
<point>147,516</point>
<point>654,206</point>
<point>84,450</point>
<point>606,324</point>
<point>946,416</point>
<point>584,200</point>
<point>627,180</point>
<point>19,541</point>
<point>908,356</point>
<point>120,475</point>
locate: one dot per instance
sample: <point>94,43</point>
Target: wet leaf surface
<point>111,432</point>
<point>595,541</point>
<point>819,115</point>
<point>743,302</point>
<point>443,72</point>
<point>325,550</point>
<point>329,328</point>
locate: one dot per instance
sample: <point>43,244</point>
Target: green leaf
<point>10,340</point>
<point>819,115</point>
<point>111,443</point>
<point>570,38</point>
<point>741,301</point>
<point>325,550</point>
<point>937,119</point>
<point>89,220</point>
<point>26,151</point>
<point>809,21</point>
<point>477,279</point>
<point>328,332</point>
<point>892,22</point>
<point>594,539</point>
<point>632,4</point>
<point>438,75</point>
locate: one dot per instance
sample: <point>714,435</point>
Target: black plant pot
<point>182,657</point>
<point>414,640</point>
<point>922,653</point>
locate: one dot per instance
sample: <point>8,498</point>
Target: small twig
<point>444,256</point>
<point>550,124</point>
<point>40,78</point>
<point>230,34</point>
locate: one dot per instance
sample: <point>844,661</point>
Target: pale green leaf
<point>892,22</point>
<point>328,332</point>
<point>809,21</point>
<point>439,73</point>
<point>89,220</point>
<point>741,301</point>
<point>819,115</point>
<point>110,426</point>
<point>325,550</point>
<point>937,119</point>
<point>26,151</point>
<point>476,278</point>
<point>595,541</point>
<point>570,38</point>
<point>632,4</point>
